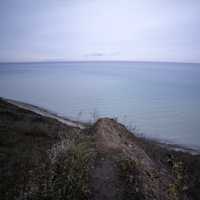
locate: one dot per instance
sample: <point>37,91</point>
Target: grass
<point>183,166</point>
<point>42,158</point>
<point>67,176</point>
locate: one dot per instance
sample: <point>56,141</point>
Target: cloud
<point>100,29</point>
<point>95,55</point>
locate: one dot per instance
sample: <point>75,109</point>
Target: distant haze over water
<point>161,99</point>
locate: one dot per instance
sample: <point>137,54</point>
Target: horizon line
<point>87,61</point>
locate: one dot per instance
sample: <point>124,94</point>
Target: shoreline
<point>46,113</point>
<point>77,124</point>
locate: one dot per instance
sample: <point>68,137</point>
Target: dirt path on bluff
<point>105,183</point>
<point>114,141</point>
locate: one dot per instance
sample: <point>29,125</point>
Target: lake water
<point>161,99</point>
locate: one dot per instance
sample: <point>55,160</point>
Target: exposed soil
<point>115,140</point>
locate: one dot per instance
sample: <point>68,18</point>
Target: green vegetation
<point>183,166</point>
<point>66,176</point>
<point>42,158</point>
<point>176,188</point>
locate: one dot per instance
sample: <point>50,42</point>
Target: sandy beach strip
<point>45,113</point>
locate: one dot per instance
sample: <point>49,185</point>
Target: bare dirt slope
<point>115,144</point>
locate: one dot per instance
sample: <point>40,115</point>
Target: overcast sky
<point>145,30</point>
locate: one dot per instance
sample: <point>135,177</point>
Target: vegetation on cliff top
<point>42,158</point>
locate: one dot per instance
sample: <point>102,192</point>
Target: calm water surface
<point>161,99</point>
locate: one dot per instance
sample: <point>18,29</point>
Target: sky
<point>71,30</point>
